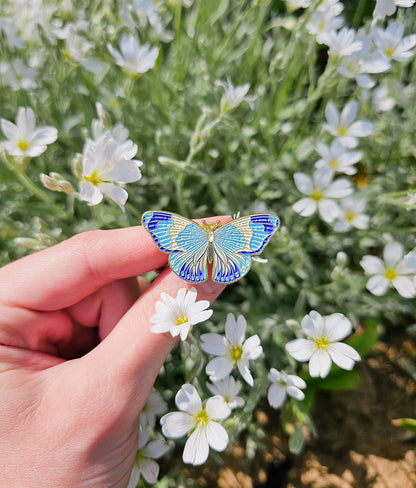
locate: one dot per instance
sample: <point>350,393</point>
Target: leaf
<point>365,337</point>
<point>296,440</point>
<point>409,424</point>
<point>341,380</point>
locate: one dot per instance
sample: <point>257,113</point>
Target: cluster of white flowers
<point>334,199</point>
<point>201,420</point>
<point>362,53</point>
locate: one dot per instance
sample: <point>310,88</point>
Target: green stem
<point>359,11</point>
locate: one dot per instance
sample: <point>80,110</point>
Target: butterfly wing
<point>238,240</point>
<point>184,240</point>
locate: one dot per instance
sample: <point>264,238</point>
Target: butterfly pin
<point>228,247</point>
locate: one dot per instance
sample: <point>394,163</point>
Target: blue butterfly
<point>192,246</point>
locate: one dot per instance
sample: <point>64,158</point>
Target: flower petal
<point>188,400</point>
<point>372,264</point>
<point>303,183</point>
<point>328,210</point>
<point>343,355</point>
<point>196,448</point>
<point>220,367</point>
<point>91,194</point>
<point>305,207</point>
<point>217,436</point>
<point>295,393</point>
<point>176,424</point>
<point>150,470</point>
<point>252,348</point>
<point>378,285</point>
<point>245,371</point>
<point>214,344</point>
<point>217,408</point>
<point>337,327</point>
<point>319,364</point>
<point>300,349</point>
<point>276,395</point>
<point>392,253</point>
<point>404,286</point>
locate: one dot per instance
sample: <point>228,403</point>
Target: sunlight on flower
<point>232,350</point>
<point>24,138</point>
<point>178,315</point>
<point>323,346</point>
<point>394,270</point>
<point>201,421</point>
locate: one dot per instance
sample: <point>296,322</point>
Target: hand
<point>78,360</point>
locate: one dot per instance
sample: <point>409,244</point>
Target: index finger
<point>60,276</point>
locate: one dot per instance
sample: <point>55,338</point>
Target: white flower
<point>337,157</point>
<point>133,58</point>
<point>228,388</point>
<point>199,419</point>
<point>341,43</point>
<point>388,7</point>
<point>393,270</point>
<point>381,101</point>
<point>321,191</point>
<point>24,138</point>
<point>233,95</point>
<point>344,126</point>
<point>178,315</point>
<point>352,215</point>
<point>9,28</point>
<point>106,165</point>
<point>29,15</point>
<point>231,350</point>
<point>284,384</point>
<point>154,406</point>
<point>293,5</point>
<point>323,21</point>
<point>18,75</point>
<point>144,464</point>
<point>76,49</point>
<point>392,44</point>
<point>322,345</point>
<point>358,65</point>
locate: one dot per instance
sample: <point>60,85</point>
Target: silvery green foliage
<point>232,104</point>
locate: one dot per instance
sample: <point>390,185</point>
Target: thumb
<point>131,356</point>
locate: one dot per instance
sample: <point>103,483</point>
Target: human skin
<point>77,358</point>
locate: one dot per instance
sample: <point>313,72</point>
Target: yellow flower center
<point>181,320</point>
<point>23,145</point>
<point>317,196</point>
<point>321,26</point>
<point>236,353</point>
<point>333,163</point>
<point>388,51</point>
<point>282,383</point>
<point>321,343</point>
<point>349,217</point>
<point>94,178</point>
<point>67,54</point>
<point>202,418</point>
<point>342,130</point>
<point>139,456</point>
<point>390,273</point>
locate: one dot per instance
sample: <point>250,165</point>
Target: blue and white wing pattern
<point>184,240</point>
<point>229,247</point>
<point>238,240</point>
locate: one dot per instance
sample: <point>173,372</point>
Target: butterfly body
<point>192,246</point>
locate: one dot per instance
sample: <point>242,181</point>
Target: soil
<point>357,446</point>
